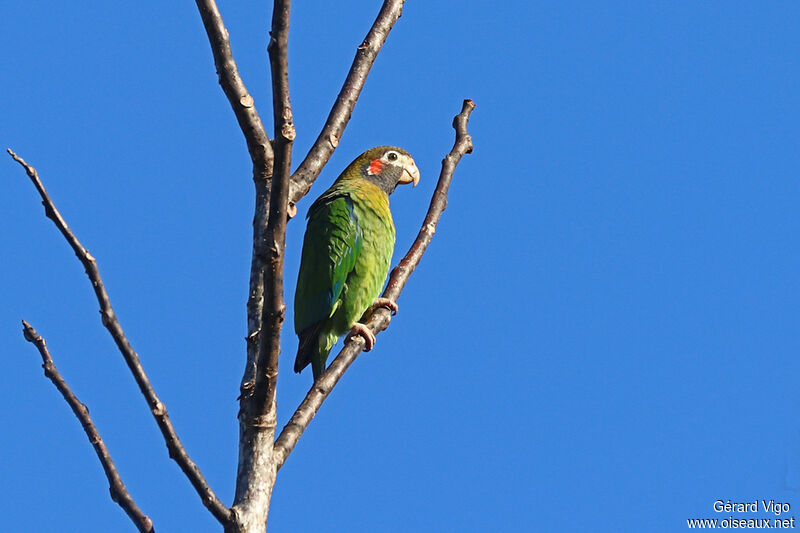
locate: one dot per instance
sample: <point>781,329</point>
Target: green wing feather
<point>331,248</point>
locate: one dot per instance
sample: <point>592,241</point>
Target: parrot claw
<point>364,331</point>
<point>387,303</point>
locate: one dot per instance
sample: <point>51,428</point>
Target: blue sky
<point>603,335</point>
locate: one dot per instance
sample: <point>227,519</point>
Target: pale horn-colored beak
<point>410,174</point>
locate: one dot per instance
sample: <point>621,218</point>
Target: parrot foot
<point>387,303</point>
<point>364,331</point>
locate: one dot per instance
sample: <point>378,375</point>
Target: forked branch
<point>263,159</point>
<point>380,318</point>
<point>256,473</point>
<point>109,319</point>
<point>274,310</point>
<point>119,493</point>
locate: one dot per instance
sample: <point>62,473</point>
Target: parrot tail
<point>310,351</point>
<point>314,347</point>
<point>307,347</point>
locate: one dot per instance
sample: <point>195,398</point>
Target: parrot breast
<point>372,264</point>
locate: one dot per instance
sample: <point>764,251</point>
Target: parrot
<point>347,249</point>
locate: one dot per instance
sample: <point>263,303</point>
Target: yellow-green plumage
<point>347,250</point>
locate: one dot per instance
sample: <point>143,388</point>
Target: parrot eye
<point>392,156</point>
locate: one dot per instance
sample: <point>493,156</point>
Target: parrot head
<point>386,167</point>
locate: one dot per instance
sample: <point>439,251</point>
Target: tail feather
<point>314,347</point>
<point>307,347</point>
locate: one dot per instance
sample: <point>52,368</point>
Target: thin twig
<point>332,131</point>
<point>109,319</point>
<point>119,493</point>
<point>380,318</point>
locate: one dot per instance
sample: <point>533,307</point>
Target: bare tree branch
<point>274,307</point>
<point>256,472</point>
<point>332,131</point>
<point>119,493</point>
<point>109,319</point>
<point>380,318</point>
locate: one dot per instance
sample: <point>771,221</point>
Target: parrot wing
<point>331,246</point>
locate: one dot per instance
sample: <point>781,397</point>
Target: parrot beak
<point>410,174</point>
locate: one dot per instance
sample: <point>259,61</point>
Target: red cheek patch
<point>375,167</point>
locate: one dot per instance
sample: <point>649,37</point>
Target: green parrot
<point>346,253</point>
